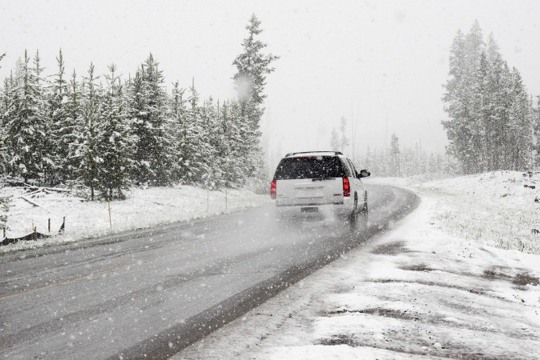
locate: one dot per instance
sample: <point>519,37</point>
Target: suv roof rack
<point>311,152</point>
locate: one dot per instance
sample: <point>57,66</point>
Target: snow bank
<point>500,209</point>
<point>143,208</point>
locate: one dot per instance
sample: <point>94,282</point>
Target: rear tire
<point>365,207</point>
<point>354,213</point>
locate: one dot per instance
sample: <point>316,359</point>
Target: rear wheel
<point>354,213</point>
<point>365,207</point>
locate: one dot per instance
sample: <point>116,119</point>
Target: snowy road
<point>154,292</point>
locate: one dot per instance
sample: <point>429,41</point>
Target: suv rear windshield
<point>309,167</point>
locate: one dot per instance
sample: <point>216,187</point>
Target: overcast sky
<point>380,64</point>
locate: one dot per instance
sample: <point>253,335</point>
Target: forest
<point>107,133</point>
<point>493,123</point>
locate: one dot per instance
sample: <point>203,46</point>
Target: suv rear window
<point>310,167</point>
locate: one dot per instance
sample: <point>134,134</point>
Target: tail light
<point>346,187</point>
<point>273,189</point>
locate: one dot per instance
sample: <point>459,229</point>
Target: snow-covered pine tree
<point>196,147</point>
<point>480,120</point>
<point>499,90</point>
<point>232,124</point>
<point>462,131</point>
<point>116,141</point>
<point>177,113</point>
<point>211,149</point>
<point>74,124</point>
<point>225,139</point>
<point>62,131</point>
<point>520,125</point>
<point>89,134</point>
<point>137,105</point>
<point>154,151</point>
<point>46,140</point>
<point>26,127</point>
<point>250,79</point>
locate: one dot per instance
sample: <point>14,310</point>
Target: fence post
<point>110,217</point>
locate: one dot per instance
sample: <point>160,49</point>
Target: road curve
<point>149,294</point>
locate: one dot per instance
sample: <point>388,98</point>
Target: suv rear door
<point>309,180</point>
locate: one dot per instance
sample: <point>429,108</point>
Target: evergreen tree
<point>89,134</point>
<point>233,130</point>
<point>196,149</point>
<point>520,125</point>
<point>178,113</point>
<point>116,141</point>
<point>61,131</point>
<point>70,136</point>
<point>227,138</point>
<point>250,79</point>
<point>212,156</point>
<point>154,151</point>
<point>26,124</point>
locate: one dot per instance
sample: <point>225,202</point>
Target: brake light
<point>273,189</point>
<point>346,187</point>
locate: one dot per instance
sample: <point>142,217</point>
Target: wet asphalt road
<point>148,294</point>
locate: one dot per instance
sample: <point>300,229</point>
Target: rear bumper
<point>342,208</point>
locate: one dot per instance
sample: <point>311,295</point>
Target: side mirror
<point>363,174</point>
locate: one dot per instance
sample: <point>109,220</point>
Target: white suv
<point>307,182</point>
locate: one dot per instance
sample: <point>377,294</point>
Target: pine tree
<point>61,131</point>
<point>196,149</point>
<point>520,124</point>
<point>25,124</point>
<point>70,136</point>
<point>154,151</point>
<point>86,147</point>
<point>235,173</point>
<point>116,141</point>
<point>457,99</point>
<point>226,139</point>
<point>250,79</point>
<point>211,149</point>
<point>178,113</point>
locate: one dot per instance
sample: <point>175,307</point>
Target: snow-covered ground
<point>448,281</point>
<point>143,208</point>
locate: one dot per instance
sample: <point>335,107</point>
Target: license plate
<point>310,209</point>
